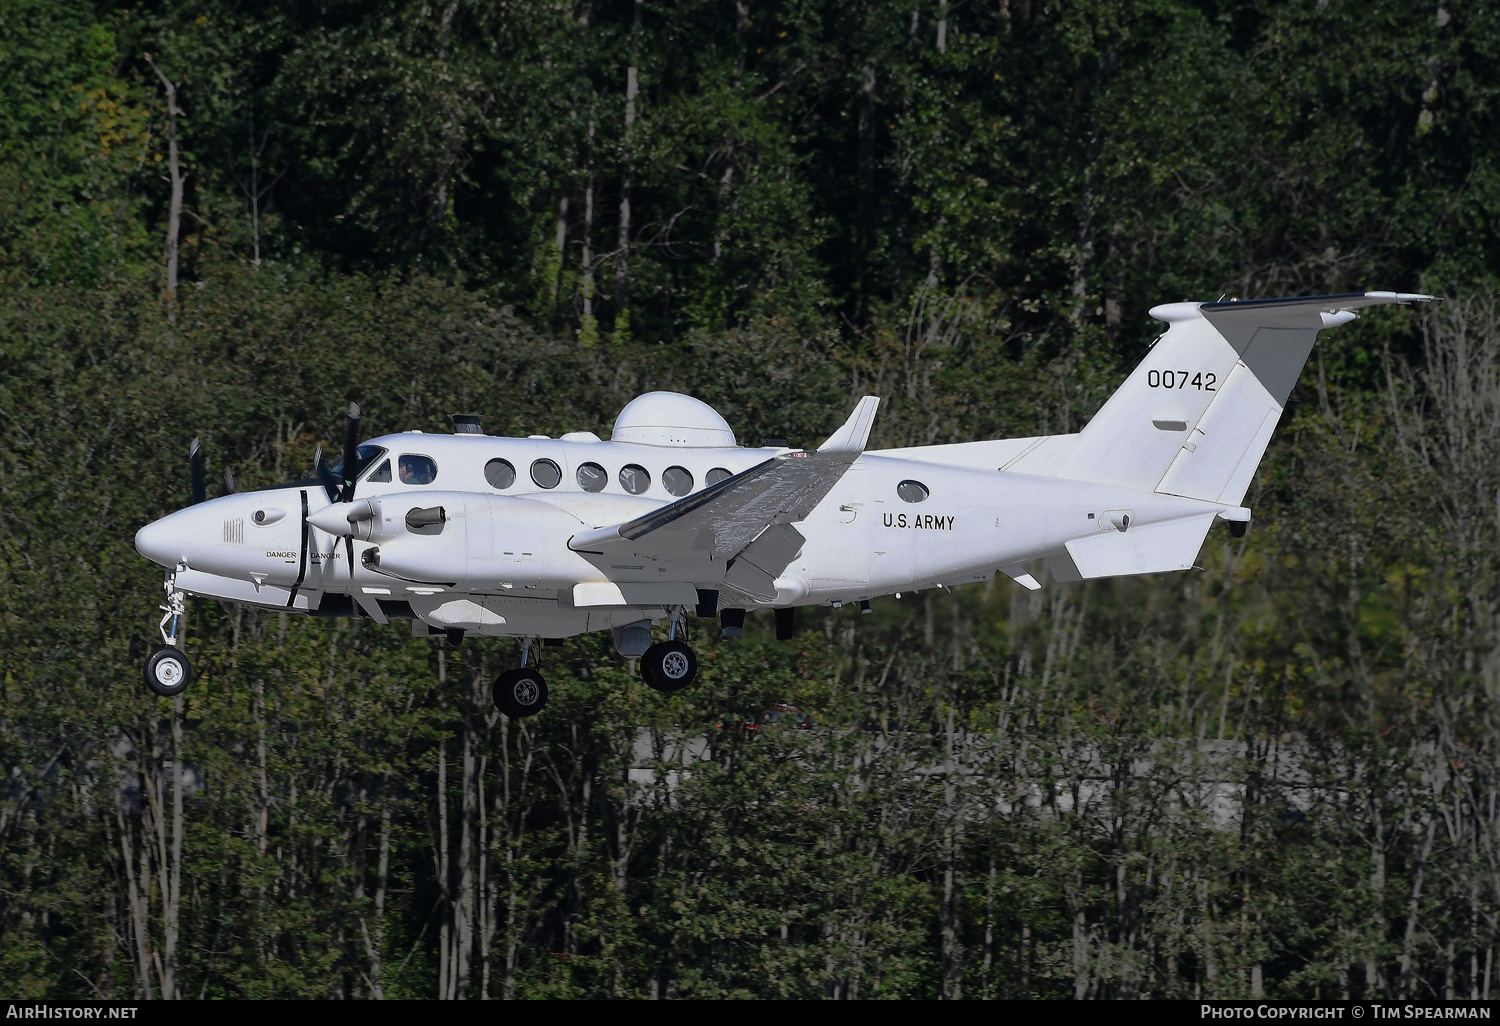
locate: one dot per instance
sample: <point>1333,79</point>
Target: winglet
<point>852,437</point>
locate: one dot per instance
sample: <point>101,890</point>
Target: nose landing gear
<point>168,672</point>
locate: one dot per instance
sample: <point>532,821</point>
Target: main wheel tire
<point>669,666</point>
<point>168,672</point>
<point>520,692</point>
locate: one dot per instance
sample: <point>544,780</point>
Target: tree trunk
<point>560,241</point>
<point>622,252</point>
<point>176,179</point>
<point>465,914</point>
<point>952,950</point>
<point>137,893</point>
<point>588,326</point>
<point>445,930</point>
<point>866,169</point>
<point>172,902</point>
<point>1409,944</point>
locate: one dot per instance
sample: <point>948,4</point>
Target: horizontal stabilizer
<point>1147,549</point>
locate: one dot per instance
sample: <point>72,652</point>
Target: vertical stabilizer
<point>1195,416</point>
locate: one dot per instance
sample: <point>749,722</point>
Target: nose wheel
<point>669,666</point>
<point>168,672</point>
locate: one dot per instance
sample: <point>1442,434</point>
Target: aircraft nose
<point>161,542</point>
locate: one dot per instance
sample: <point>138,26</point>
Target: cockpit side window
<point>417,470</point>
<point>381,474</point>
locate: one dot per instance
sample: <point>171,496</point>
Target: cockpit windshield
<point>363,457</point>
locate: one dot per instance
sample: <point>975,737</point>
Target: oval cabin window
<point>592,477</point>
<point>546,474</point>
<point>677,480</point>
<point>634,478</point>
<point>500,474</point>
<point>912,491</point>
<point>716,475</point>
<point>417,470</point>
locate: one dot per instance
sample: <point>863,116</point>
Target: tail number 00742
<point>1203,381</point>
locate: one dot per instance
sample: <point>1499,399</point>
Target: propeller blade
<point>195,466</point>
<point>351,452</point>
<point>318,461</point>
<point>228,481</point>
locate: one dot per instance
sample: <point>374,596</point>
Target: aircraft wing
<point>745,520</point>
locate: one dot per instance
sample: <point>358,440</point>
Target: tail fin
<point>1195,416</point>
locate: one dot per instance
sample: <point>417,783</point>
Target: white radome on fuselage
<point>1135,492</point>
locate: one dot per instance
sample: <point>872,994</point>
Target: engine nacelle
<point>463,538</point>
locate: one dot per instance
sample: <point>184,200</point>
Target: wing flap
<point>754,571</point>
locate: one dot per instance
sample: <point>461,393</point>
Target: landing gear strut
<point>523,691</point>
<point>168,672</point>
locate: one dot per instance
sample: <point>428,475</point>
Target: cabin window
<point>634,478</point>
<point>381,474</point>
<point>545,474</point>
<point>716,475</point>
<point>417,470</point>
<point>912,491</point>
<point>592,477</point>
<point>500,474</point>
<point>677,480</point>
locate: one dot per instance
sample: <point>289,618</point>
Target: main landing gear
<point>670,665</point>
<point>521,692</point>
<point>168,672</point>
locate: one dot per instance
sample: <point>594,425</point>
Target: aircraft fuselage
<point>501,563</point>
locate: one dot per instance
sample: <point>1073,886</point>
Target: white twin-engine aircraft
<point>541,538</point>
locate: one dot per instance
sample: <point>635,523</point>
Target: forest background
<point>1275,775</point>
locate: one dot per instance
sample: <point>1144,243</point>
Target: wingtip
<point>1404,297</point>
<point>855,433</point>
